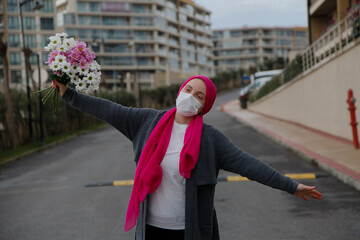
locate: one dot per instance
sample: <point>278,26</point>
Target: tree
<point>10,117</point>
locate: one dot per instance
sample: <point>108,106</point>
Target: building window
<point>71,32</point>
<point>115,7</point>
<point>94,20</point>
<point>143,61</point>
<point>285,33</point>
<point>48,6</point>
<point>171,14</point>
<point>83,33</point>
<point>81,7</point>
<point>69,19</point>
<point>115,48</point>
<point>12,5</point>
<point>45,40</point>
<point>16,76</point>
<point>45,57</point>
<point>283,42</point>
<point>15,58</point>
<point>235,33</point>
<point>82,20</point>
<point>161,23</point>
<point>96,34</point>
<point>116,34</point>
<point>301,34</point>
<point>118,61</point>
<point>174,64</point>
<point>33,59</point>
<point>114,21</point>
<point>13,22</point>
<point>142,21</point>
<point>218,34</point>
<point>142,35</point>
<point>14,40</point>
<point>47,23</point>
<point>139,8</point>
<point>94,7</point>
<point>30,41</point>
<point>29,23</point>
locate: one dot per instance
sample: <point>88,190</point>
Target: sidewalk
<point>334,155</point>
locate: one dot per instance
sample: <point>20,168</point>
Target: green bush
<point>66,118</point>
<point>293,69</point>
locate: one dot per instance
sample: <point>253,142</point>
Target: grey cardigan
<point>216,152</point>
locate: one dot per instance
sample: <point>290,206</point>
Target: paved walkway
<point>335,155</point>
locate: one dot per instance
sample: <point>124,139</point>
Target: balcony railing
<point>336,40</point>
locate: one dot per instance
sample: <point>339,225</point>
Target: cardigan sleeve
<point>125,119</point>
<point>233,159</point>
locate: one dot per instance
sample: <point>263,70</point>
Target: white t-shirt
<point>167,203</point>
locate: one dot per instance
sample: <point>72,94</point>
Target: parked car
<point>257,80</point>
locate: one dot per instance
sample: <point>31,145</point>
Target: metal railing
<point>335,41</point>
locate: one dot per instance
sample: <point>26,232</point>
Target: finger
<point>53,84</point>
<point>315,195</point>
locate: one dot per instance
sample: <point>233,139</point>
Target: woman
<point>178,159</point>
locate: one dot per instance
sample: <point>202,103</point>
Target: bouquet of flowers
<point>72,63</point>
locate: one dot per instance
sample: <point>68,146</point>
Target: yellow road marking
<point>123,183</point>
<point>226,179</point>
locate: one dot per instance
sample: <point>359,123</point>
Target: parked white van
<point>257,80</point>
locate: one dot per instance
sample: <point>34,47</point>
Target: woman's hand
<point>59,86</point>
<point>303,191</point>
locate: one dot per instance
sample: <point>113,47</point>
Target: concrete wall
<point>318,99</point>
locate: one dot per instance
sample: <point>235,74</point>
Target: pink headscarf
<point>148,173</point>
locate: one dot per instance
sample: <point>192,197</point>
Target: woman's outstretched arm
<point>125,119</point>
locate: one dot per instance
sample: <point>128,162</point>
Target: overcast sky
<point>269,13</point>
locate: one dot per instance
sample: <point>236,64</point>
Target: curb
<point>324,163</point>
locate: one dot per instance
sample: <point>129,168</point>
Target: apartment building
<point>38,26</point>
<point>148,42</point>
<point>249,46</point>
<point>325,14</point>
<point>334,27</point>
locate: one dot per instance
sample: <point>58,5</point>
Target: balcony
<point>337,39</point>
<point>318,7</point>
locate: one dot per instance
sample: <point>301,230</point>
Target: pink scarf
<point>148,173</point>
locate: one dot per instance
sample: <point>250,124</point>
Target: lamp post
<point>40,104</point>
<point>37,6</point>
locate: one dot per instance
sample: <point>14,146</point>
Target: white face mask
<point>187,104</point>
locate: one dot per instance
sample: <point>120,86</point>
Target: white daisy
<point>91,77</point>
<point>67,44</point>
<point>95,66</point>
<point>61,35</point>
<point>71,73</point>
<point>80,85</point>
<point>74,79</point>
<point>55,66</point>
<point>61,59</point>
<point>54,43</point>
<point>66,67</point>
<point>83,71</point>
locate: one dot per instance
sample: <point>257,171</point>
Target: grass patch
<point>10,154</point>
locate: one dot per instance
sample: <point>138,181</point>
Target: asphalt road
<point>43,196</point>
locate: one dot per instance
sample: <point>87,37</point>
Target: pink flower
<point>52,56</point>
<point>80,46</point>
<point>83,64</point>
